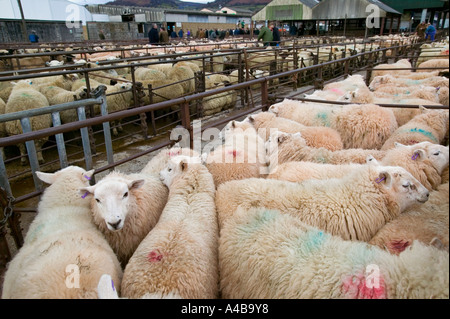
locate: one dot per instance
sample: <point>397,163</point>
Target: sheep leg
<point>23,154</point>
<point>114,130</point>
<point>39,144</point>
<point>119,126</point>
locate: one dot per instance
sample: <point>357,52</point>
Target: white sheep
<point>354,207</point>
<point>365,126</point>
<point>430,125</point>
<point>179,255</point>
<point>265,254</point>
<point>125,208</point>
<point>64,254</point>
<point>24,97</point>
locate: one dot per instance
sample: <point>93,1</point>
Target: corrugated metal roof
<point>383,6</point>
<point>262,14</point>
<point>401,5</point>
<point>195,12</point>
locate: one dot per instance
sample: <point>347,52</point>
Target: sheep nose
<point>115,225</point>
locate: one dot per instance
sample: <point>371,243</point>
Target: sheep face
<point>437,154</point>
<point>174,168</point>
<point>74,172</point>
<point>378,81</point>
<point>276,139</point>
<point>406,189</point>
<point>113,200</point>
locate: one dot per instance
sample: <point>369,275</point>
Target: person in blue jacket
<point>180,33</point>
<point>430,32</point>
<point>33,37</point>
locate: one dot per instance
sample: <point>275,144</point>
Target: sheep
<point>162,90</point>
<point>149,74</point>
<point>161,160</point>
<point>194,67</point>
<point>400,64</point>
<point>241,156</point>
<point>54,63</point>
<point>61,235</point>
<point>433,63</point>
<point>443,95</point>
<point>179,255</point>
<point>354,207</point>
<point>165,67</point>
<point>303,170</point>
<point>214,80</point>
<point>314,136</point>
<point>24,97</point>
<point>82,83</point>
<point>5,90</point>
<point>435,81</point>
<point>218,102</point>
<point>185,76</point>
<point>425,161</point>
<point>118,102</point>
<point>285,147</point>
<point>63,81</point>
<point>365,126</point>
<point>431,126</point>
<point>427,224</point>
<point>125,208</point>
<point>266,254</point>
<point>56,95</point>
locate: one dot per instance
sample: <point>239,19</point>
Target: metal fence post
<point>32,155</point>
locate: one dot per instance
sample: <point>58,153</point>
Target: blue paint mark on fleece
<point>311,241</point>
<point>424,133</point>
<point>258,221</point>
<point>323,117</point>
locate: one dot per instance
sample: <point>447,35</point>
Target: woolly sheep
<point>365,126</point>
<point>431,126</point>
<point>400,64</point>
<point>125,208</point>
<point>314,136</point>
<point>433,63</point>
<point>194,67</point>
<point>435,81</point>
<point>23,97</point>
<point>163,90</point>
<point>118,102</point>
<point>285,147</point>
<point>241,156</point>
<point>428,224</point>
<point>61,235</point>
<point>148,74</point>
<point>425,161</point>
<point>218,102</point>
<point>354,207</point>
<point>82,83</point>
<point>186,77</point>
<point>179,255</point>
<point>266,254</point>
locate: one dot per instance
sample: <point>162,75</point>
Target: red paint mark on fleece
<point>360,287</point>
<point>233,152</point>
<point>399,245</point>
<point>412,142</point>
<point>155,256</point>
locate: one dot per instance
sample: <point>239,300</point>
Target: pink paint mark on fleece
<point>399,245</point>
<point>174,153</point>
<point>336,90</point>
<point>155,256</point>
<point>412,142</point>
<point>360,287</point>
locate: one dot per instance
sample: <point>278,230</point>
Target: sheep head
<point>112,198</point>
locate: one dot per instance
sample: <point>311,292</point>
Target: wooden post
<point>383,20</point>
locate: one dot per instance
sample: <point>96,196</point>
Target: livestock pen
<point>278,82</point>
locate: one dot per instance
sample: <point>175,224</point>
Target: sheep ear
<point>136,184</point>
<point>282,138</point>
<point>48,178</point>
<point>251,118</point>
<point>183,165</point>
<point>85,191</point>
<point>106,289</point>
<point>233,124</point>
<point>384,178</point>
<point>436,242</point>
<point>419,154</point>
<point>422,109</point>
<point>371,160</point>
<point>399,145</point>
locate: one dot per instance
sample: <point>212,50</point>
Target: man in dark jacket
<point>276,37</point>
<point>153,35</point>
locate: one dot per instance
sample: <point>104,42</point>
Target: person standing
<point>101,35</point>
<point>173,34</point>
<point>430,32</point>
<point>420,30</point>
<point>276,37</point>
<point>163,36</point>
<point>153,35</point>
<point>180,34</point>
<point>266,35</point>
<point>33,37</point>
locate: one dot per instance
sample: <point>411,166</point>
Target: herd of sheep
<point>305,200</point>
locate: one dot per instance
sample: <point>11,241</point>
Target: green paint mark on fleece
<point>323,117</point>
<point>310,241</point>
<point>26,95</point>
<point>424,133</point>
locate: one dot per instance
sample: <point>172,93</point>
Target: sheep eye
<point>125,195</point>
<point>98,200</point>
<point>437,153</point>
<point>169,169</point>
